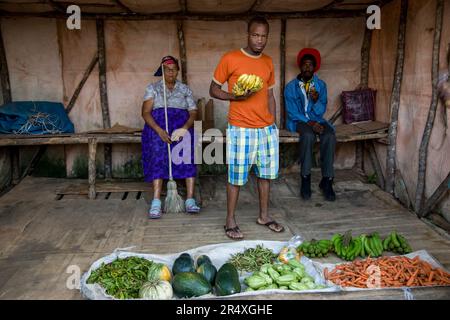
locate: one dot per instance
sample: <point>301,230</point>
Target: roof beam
<point>183,5</point>
<point>202,17</point>
<point>124,7</point>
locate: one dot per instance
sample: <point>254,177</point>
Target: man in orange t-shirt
<point>252,136</point>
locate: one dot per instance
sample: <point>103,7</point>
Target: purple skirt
<point>155,160</point>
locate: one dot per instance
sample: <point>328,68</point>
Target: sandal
<point>235,230</point>
<point>273,223</point>
<point>191,206</point>
<point>155,210</point>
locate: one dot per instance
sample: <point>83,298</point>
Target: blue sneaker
<point>191,206</point>
<point>155,209</point>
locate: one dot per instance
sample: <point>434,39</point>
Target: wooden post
<point>4,73</point>
<point>423,150</point>
<point>375,163</point>
<point>182,48</point>
<point>104,93</point>
<point>436,197</point>
<point>91,166</point>
<point>364,83</point>
<point>15,165</point>
<point>81,84</point>
<point>282,71</point>
<point>395,100</point>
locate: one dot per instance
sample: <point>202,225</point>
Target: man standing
<point>252,136</point>
<point>306,103</point>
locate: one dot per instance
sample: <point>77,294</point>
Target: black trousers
<point>327,148</point>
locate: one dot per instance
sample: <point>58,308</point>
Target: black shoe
<point>306,187</point>
<point>326,185</point>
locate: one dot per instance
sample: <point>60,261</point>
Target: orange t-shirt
<point>254,111</point>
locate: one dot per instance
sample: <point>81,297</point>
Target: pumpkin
<point>159,271</point>
<point>156,290</point>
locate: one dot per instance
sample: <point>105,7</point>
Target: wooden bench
<point>344,133</point>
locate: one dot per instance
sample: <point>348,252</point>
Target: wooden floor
<point>41,236</point>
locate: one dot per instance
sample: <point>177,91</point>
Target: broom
<point>173,203</point>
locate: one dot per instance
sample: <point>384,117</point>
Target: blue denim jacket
<point>295,104</point>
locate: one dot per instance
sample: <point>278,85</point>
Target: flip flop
<point>235,229</point>
<point>272,223</point>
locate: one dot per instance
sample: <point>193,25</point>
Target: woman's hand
<point>163,135</point>
<point>178,134</point>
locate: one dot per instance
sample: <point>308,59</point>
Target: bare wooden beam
<point>336,114</point>
<point>15,165</point>
<point>440,192</point>
<point>423,150</point>
<point>91,167</point>
<point>124,7</point>
<point>332,4</point>
<point>254,5</point>
<point>395,100</point>
<point>4,73</point>
<point>375,163</point>
<point>57,6</point>
<point>182,48</point>
<point>282,71</point>
<point>34,161</point>
<point>315,14</point>
<point>82,82</point>
<point>104,93</point>
<point>183,6</point>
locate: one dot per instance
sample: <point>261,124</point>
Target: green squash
<point>208,271</point>
<point>203,259</point>
<point>184,263</point>
<point>190,284</point>
<point>227,280</point>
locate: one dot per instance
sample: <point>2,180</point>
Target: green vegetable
<point>156,290</point>
<point>184,263</point>
<point>299,272</point>
<point>273,274</point>
<point>297,286</point>
<point>286,279</point>
<point>203,259</point>
<point>252,259</point>
<point>266,277</point>
<point>208,271</point>
<point>190,284</point>
<point>264,268</point>
<point>227,280</point>
<point>249,289</point>
<point>122,278</point>
<point>255,281</point>
<point>283,287</point>
<point>295,264</point>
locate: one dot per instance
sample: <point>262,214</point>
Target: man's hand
<point>247,95</point>
<point>164,135</point>
<point>317,127</point>
<point>178,134</point>
<point>314,95</point>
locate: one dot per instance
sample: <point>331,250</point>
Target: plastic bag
<point>289,251</point>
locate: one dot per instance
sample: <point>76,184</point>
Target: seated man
<point>306,103</point>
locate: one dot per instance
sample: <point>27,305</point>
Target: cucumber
<point>227,280</point>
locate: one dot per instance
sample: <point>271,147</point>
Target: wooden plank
<point>15,165</point>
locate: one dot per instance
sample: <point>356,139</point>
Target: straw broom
<point>173,202</point>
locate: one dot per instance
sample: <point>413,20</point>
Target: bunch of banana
<point>372,245</point>
<point>246,83</point>
<point>346,247</point>
<point>396,243</point>
<point>315,248</point>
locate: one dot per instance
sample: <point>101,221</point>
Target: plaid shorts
<point>247,147</point>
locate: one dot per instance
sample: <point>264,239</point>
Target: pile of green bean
<point>252,259</point>
<point>122,278</point>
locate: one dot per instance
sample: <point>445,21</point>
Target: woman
<point>181,112</point>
